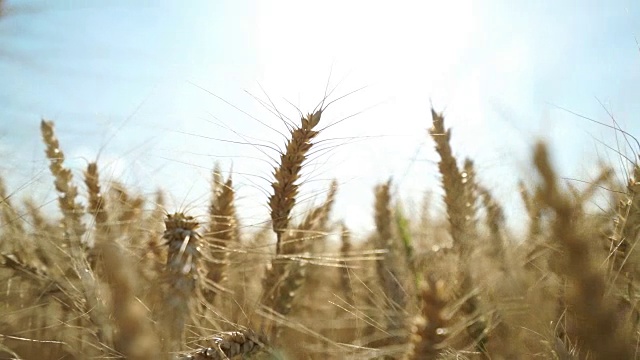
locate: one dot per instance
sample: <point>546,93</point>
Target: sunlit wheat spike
<point>459,211</point>
<point>71,210</point>
<point>96,200</point>
<point>286,175</point>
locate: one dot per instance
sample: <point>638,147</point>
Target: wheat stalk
<point>626,230</point>
<point>430,329</point>
<point>460,200</point>
<point>12,227</point>
<point>182,242</point>
<point>389,269</point>
<point>283,277</point>
<point>74,229</point>
<point>533,210</point>
<point>345,276</point>
<point>135,336</point>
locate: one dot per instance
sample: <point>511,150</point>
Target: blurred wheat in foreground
<point>116,275</point>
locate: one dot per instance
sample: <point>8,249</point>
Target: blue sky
<point>124,82</point>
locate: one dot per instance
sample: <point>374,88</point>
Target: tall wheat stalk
<point>135,337</point>
<point>460,200</point>
<point>390,269</point>
<point>282,276</point>
<point>182,259</point>
<point>431,327</point>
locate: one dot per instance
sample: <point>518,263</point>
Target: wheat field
<point>114,274</point>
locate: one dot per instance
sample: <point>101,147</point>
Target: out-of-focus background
<point>158,91</point>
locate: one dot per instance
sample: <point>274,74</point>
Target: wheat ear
<point>495,221</point>
<point>229,345</point>
<point>285,188</point>
<point>222,232</point>
<point>71,210</point>
<point>459,211</point>
<point>96,200</point>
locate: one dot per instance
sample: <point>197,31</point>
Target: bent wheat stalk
<point>599,333</point>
